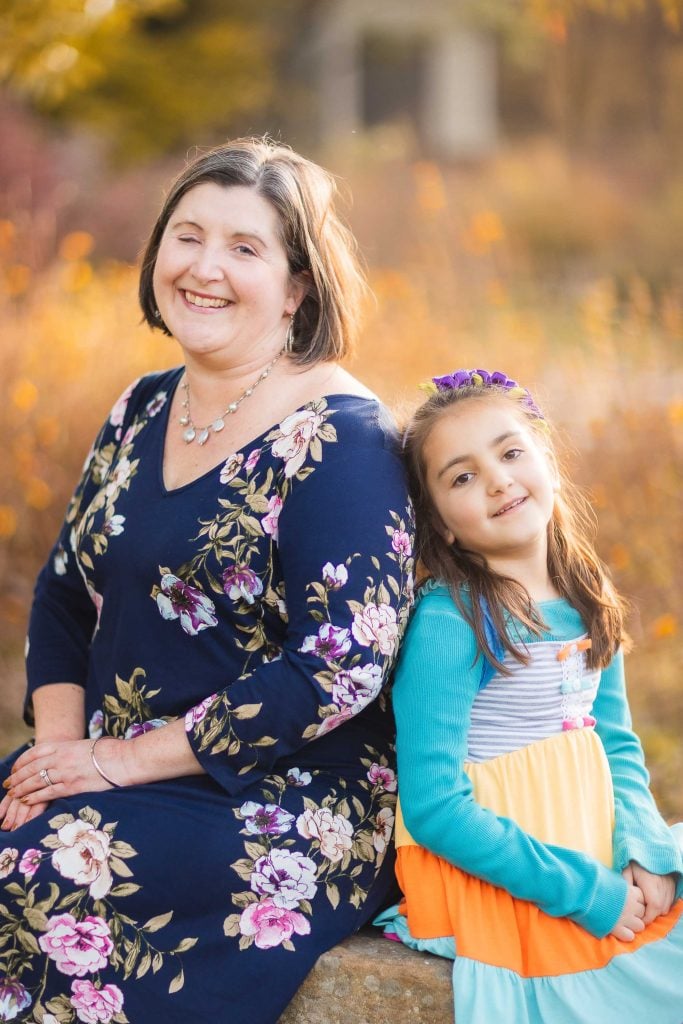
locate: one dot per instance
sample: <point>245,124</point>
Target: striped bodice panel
<point>552,693</point>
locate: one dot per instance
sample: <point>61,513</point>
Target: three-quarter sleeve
<point>640,832</point>
<point>343,547</point>
<point>435,685</point>
<point>64,613</point>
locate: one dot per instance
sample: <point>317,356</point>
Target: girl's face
<point>221,279</point>
<point>491,480</point>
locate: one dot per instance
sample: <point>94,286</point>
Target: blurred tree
<point>151,75</point>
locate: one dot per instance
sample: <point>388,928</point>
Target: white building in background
<point>377,61</point>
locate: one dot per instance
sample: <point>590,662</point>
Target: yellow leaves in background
<point>484,231</point>
<point>24,394</point>
<point>665,626</point>
<point>76,246</point>
<point>430,188</point>
<point>8,521</point>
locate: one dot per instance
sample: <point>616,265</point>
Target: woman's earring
<point>289,340</point>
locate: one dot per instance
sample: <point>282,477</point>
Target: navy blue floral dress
<point>262,602</point>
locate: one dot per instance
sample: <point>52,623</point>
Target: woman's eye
<point>512,453</point>
<point>246,250</point>
<point>187,238</point>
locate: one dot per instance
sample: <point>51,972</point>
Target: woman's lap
<point>247,890</point>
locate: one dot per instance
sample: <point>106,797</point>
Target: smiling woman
<point>219,616</point>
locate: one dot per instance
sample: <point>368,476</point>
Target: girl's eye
<point>512,453</point>
<point>187,238</point>
<point>462,479</point>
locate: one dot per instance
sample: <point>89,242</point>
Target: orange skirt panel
<point>560,791</point>
<point>491,926</point>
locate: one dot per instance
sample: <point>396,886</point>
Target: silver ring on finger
<point>45,777</point>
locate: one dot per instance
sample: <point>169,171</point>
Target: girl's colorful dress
<point>534,785</point>
<point>263,602</point>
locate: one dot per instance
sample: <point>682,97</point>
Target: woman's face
<point>221,279</point>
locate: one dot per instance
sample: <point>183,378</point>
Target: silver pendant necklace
<point>191,432</point>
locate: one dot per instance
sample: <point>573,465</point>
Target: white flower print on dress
<point>335,576</point>
<point>231,468</point>
<point>330,642</point>
<point>8,859</point>
<point>296,433</point>
<point>178,600</point>
<point>84,857</point>
<point>334,832</point>
<point>60,561</point>
<point>357,687</point>
<point>286,877</point>
<point>384,826</point>
<point>376,624</point>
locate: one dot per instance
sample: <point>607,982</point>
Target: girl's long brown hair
<point>573,564</point>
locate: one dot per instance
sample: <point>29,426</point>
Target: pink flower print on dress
<point>286,877</point>
<point>333,721</point>
<point>271,520</point>
<point>77,947</point>
<point>330,642</point>
<point>334,832</point>
<point>376,625</point>
<point>198,712</point>
<point>381,776</point>
<point>178,600</point>
<point>296,433</point>
<point>116,416</point>
<point>335,577</point>
<point>400,542</point>
<point>30,862</point>
<point>95,1005</point>
<point>252,459</point>
<point>84,857</point>
<point>241,583</point>
<point>272,925</point>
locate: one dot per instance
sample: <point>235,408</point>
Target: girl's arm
<point>436,683</point>
<point>641,835</point>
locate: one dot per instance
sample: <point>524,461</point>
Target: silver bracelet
<point>98,768</point>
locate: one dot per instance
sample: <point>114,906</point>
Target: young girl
<point>530,849</point>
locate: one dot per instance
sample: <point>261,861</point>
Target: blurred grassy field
<point>559,280</point>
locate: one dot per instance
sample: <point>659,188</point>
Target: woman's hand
<point>631,919</point>
<point>14,814</point>
<point>57,768</point>
<point>659,891</point>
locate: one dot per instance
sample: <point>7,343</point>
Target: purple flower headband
<point>483,379</point>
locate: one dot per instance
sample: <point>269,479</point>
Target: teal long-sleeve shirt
<point>437,679</point>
